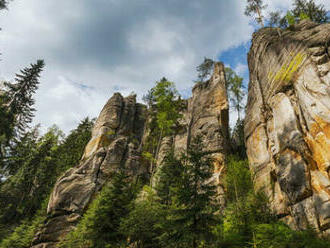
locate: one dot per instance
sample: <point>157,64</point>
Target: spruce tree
<point>20,95</point>
<point>192,214</point>
<point>100,225</point>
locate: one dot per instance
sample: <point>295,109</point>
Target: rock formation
<point>287,127</point>
<point>117,141</point>
<point>206,114</point>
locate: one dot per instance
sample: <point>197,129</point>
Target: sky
<point>95,48</point>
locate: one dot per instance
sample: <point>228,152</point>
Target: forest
<point>174,205</point>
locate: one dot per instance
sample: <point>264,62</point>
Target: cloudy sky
<point>93,48</point>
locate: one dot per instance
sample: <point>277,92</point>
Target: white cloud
<point>114,45</point>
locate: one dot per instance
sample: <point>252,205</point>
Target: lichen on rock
<point>287,121</point>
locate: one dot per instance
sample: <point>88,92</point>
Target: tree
<point>254,8</point>
<point>301,9</point>
<point>169,178</point>
<point>164,108</point>
<point>23,192</point>
<point>235,88</point>
<point>3,4</point>
<point>192,213</point>
<point>205,69</point>
<point>21,93</point>
<point>99,226</point>
<point>276,19</point>
<point>142,224</point>
<point>73,146</point>
<point>308,8</point>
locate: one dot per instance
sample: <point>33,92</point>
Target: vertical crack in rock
<point>290,80</point>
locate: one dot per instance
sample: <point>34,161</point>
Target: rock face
<point>206,114</point>
<point>117,141</point>
<point>287,127</point>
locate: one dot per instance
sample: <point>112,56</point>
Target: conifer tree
<point>20,95</point>
<point>255,7</point>
<point>100,225</point>
<point>192,214</point>
<point>204,69</point>
<point>309,9</point>
<point>236,90</point>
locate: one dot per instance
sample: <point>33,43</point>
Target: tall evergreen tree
<point>20,96</point>
<point>254,8</point>
<point>192,214</point>
<point>236,90</point>
<point>99,226</point>
<point>205,69</point>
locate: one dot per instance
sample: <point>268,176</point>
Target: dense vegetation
<point>179,207</point>
<point>301,9</point>
<point>30,163</point>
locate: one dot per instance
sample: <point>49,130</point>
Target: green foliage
<point>34,165</point>
<point>169,178</point>
<point>164,112</point>
<point>191,216</point>
<point>238,140</point>
<point>235,89</point>
<point>303,9</point>
<point>24,191</point>
<point>290,18</point>
<point>279,235</point>
<point>21,93</point>
<point>72,148</point>
<point>254,8</point>
<point>23,234</point>
<point>205,69</point>
<point>142,224</point>
<point>99,226</point>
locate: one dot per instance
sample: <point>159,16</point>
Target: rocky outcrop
<point>287,127</point>
<point>205,114</point>
<point>115,143</point>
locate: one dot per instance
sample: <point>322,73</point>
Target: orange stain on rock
<point>319,143</point>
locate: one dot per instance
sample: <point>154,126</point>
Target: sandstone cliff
<point>287,127</point>
<point>117,141</point>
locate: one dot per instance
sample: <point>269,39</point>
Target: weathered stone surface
<point>287,127</point>
<point>206,115</point>
<point>115,143</point>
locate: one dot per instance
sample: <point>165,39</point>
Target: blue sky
<point>95,48</point>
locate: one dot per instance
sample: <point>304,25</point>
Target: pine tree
<point>20,96</point>
<point>204,69</point>
<point>255,7</point>
<point>236,90</point>
<point>99,226</point>
<point>168,177</point>
<point>311,10</point>
<point>192,215</point>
